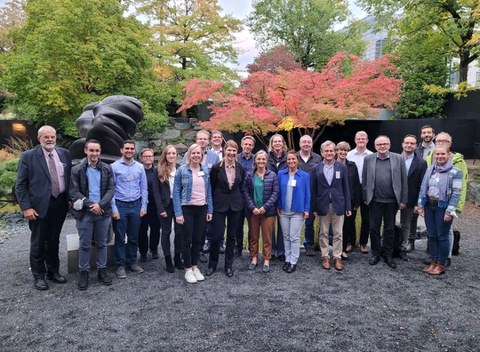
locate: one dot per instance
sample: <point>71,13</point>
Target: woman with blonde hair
<point>193,207</point>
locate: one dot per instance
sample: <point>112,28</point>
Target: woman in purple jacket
<point>261,194</point>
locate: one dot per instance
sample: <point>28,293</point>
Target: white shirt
<point>357,158</point>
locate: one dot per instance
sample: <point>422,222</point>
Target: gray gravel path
<point>364,308</point>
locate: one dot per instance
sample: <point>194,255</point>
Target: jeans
<point>127,227</point>
<point>378,212</point>
<point>94,227</point>
<point>292,224</point>
<point>438,233</point>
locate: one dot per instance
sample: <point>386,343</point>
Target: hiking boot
<point>83,281</point>
<point>103,277</point>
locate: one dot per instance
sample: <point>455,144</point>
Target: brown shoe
<point>338,264</point>
<point>429,268</point>
<point>349,249</point>
<point>364,248</point>
<point>326,263</point>
<point>437,270</point>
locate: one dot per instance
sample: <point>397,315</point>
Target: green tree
<point>192,40</point>
<point>12,17</point>
<point>457,21</point>
<point>69,53</point>
<point>306,28</point>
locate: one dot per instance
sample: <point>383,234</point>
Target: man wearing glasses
<point>384,186</point>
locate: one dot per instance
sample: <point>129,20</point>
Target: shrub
<point>8,177</point>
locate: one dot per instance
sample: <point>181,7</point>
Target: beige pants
<point>337,226</point>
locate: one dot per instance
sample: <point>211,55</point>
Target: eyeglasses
<point>442,141</point>
<point>382,144</point>
<point>147,156</point>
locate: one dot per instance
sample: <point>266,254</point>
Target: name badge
<point>200,173</point>
<point>337,175</point>
<point>293,183</point>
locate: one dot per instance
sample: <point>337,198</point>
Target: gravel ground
<point>364,308</point>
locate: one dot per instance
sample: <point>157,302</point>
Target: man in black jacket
<point>91,191</point>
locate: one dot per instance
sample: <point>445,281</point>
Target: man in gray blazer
<point>385,190</point>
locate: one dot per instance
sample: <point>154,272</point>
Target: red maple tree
<point>300,100</point>
<point>273,60</point>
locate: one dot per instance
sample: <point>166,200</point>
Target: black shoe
<point>448,263</point>
<point>56,277</point>
<point>178,262</point>
<point>403,256</point>
<point>291,268</point>
<point>155,255</point>
<point>41,284</point>
<point>285,266</point>
<point>143,258</point>
<point>427,261</point>
<point>206,247</point>
<point>169,265</point>
<point>229,272</point>
<point>210,271</point>
<point>238,252</point>
<point>221,249</point>
<point>374,259</point>
<point>389,261</point>
<point>202,259</point>
<point>103,277</point>
<point>281,258</point>
<point>410,246</point>
<point>83,281</point>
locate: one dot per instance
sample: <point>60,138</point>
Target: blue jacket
<point>301,191</point>
<point>182,188</point>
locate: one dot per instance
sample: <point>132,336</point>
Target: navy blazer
<point>414,179</point>
<point>34,187</point>
<point>338,193</point>
<point>225,198</point>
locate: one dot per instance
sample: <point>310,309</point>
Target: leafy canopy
<point>299,100</point>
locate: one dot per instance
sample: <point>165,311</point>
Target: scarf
<point>441,172</point>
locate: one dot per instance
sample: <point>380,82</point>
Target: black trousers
<point>149,220</point>
<point>365,227</point>
<point>167,231</point>
<point>382,212</point>
<point>219,218</point>
<point>195,219</point>
<point>349,233</point>
<point>45,238</point>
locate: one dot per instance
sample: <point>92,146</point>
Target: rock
<point>182,126</point>
<point>473,192</point>
<point>181,148</point>
<point>170,134</point>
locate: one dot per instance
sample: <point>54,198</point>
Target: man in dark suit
<point>384,186</point>
<point>416,168</point>
<point>42,193</point>
<point>226,178</point>
<point>330,201</point>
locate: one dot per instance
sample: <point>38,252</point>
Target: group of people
<point>279,192</point>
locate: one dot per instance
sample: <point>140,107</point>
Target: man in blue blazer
<point>330,201</point>
<point>42,193</point>
<point>385,190</point>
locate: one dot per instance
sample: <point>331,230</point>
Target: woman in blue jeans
<point>193,207</point>
<point>293,208</point>
<point>439,195</point>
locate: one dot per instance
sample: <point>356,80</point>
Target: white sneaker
<point>198,275</point>
<point>190,277</point>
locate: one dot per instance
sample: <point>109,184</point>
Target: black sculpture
<point>110,121</point>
